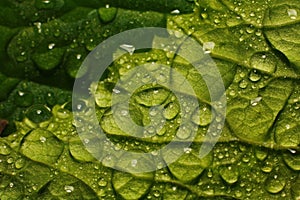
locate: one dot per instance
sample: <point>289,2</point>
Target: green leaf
<point>253,44</point>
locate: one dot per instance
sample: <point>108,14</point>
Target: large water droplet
<point>38,113</point>
<point>292,159</point>
<point>202,116</point>
<point>171,111</point>
<point>263,61</point>
<point>183,132</point>
<point>107,13</point>
<point>274,184</point>
<point>229,174</point>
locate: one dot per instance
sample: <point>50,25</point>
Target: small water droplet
<point>24,99</point>
<point>171,111</point>
<point>107,13</point>
<point>10,160</point>
<point>51,46</point>
<point>292,13</point>
<point>11,185</point>
<point>116,91</point>
<point>4,150</point>
<point>134,163</point>
<point>255,101</point>
<point>69,188</point>
<point>254,76</point>
<point>208,47</point>
<point>43,139</point>
<point>243,84</point>
<point>20,163</point>
<point>78,56</point>
<point>176,11</point>
<point>128,47</point>
<point>102,182</point>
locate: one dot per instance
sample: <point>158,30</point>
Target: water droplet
<point>261,154</point>
<point>202,116</point>
<point>43,139</point>
<point>156,193</point>
<point>275,184</point>
<point>250,29</point>
<point>183,132</point>
<point>69,188</point>
<point>254,76</point>
<point>243,84</point>
<point>102,182</point>
<point>255,101</point>
<point>187,150</point>
<point>78,56</point>
<point>11,185</point>
<point>208,47</point>
<point>127,47</point>
<point>20,163</point>
<point>24,99</point>
<point>116,91</point>
<point>134,163</point>
<point>51,46</point>
<point>292,159</point>
<point>62,113</point>
<point>107,14</point>
<point>176,11</point>
<point>292,13</point>
<point>38,113</point>
<point>171,111</point>
<point>263,61</point>
<point>4,149</point>
<point>10,160</point>
<point>229,174</point>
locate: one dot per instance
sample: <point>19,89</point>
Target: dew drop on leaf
<point>254,76</point>
<point>69,188</point>
<point>292,13</point>
<point>229,174</point>
<point>38,113</point>
<point>255,101</point>
<point>183,132</point>
<point>274,184</point>
<point>171,111</point>
<point>202,116</point>
<point>263,61</point>
<point>23,99</point>
<point>292,159</point>
<point>4,149</point>
<point>107,13</point>
<point>128,47</point>
<point>208,47</point>
<point>20,163</point>
<point>243,84</point>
